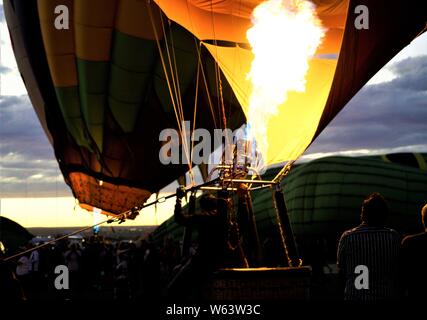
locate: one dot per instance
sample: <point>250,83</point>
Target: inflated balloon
<point>324,197</point>
<point>107,76</point>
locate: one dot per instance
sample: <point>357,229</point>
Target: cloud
<point>363,152</point>
<point>412,72</point>
<point>27,163</point>
<point>4,69</point>
<point>383,116</point>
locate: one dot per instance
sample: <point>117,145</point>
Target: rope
<point>163,62</point>
<point>207,88</point>
<point>216,63</point>
<point>232,223</point>
<point>163,199</point>
<point>194,120</point>
<point>221,96</point>
<point>176,86</point>
<point>197,45</point>
<point>174,82</point>
<point>175,69</point>
<point>283,172</point>
<point>175,107</point>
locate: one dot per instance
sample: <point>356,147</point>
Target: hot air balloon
<point>13,235</point>
<point>324,197</point>
<point>118,72</point>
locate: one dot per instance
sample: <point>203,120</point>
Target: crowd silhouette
<point>103,269</point>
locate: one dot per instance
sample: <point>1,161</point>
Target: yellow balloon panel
<point>291,130</point>
<point>229,20</point>
<point>58,43</point>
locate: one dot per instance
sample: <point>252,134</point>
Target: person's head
<point>424,216</point>
<point>208,202</point>
<point>374,210</point>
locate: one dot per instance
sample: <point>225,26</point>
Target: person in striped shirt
<point>368,255</point>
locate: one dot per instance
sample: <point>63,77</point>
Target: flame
<point>284,36</point>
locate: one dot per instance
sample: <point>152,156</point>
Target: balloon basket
<point>291,283</point>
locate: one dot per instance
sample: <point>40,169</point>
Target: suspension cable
<point>198,46</point>
<point>176,86</point>
<point>194,120</point>
<point>176,110</point>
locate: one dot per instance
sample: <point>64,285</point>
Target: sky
<point>388,115</point>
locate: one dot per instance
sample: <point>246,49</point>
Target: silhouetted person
<point>414,262</point>
<point>22,272</point>
<point>212,227</point>
<point>10,288</point>
<point>151,272</point>
<point>248,243</point>
<point>73,261</point>
<point>373,246</point>
<point>35,277</point>
<point>121,275</point>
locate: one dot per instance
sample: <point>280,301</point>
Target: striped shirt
<point>377,248</point>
